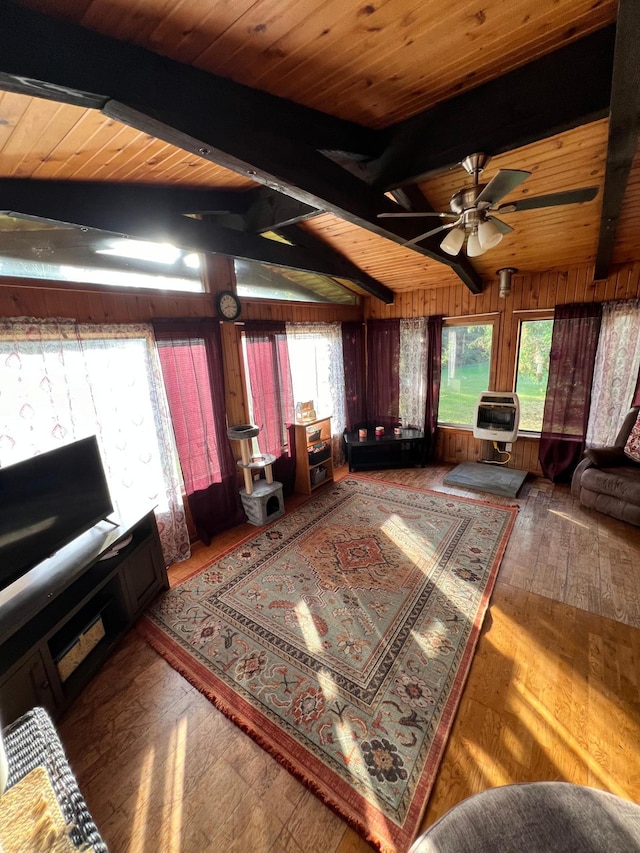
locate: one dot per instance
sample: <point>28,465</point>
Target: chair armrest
<point>577,476</point>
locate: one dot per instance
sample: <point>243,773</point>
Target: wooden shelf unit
<point>313,453</point>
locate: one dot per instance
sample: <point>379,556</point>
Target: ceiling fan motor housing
<point>463,202</point>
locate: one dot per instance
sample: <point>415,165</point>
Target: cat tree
<point>262,499</point>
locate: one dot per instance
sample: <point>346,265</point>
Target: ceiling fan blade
<point>431,233</point>
<point>500,225</point>
<point>501,184</point>
<point>408,214</point>
<point>551,200</point>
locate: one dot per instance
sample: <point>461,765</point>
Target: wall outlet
<point>508,446</point>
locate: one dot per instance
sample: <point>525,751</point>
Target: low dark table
<point>385,451</point>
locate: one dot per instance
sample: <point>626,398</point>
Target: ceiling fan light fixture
<point>453,241</point>
<point>474,248</point>
<point>489,235</point>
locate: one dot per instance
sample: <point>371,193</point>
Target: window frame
<point>529,316</point>
<point>492,320</point>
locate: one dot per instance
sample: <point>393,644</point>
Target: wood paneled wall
<point>529,294</point>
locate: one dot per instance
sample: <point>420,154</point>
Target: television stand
<point>61,620</point>
<point>385,451</point>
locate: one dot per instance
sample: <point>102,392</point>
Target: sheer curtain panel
<point>191,359</point>
<point>616,371</point>
<point>566,410</point>
<point>412,372</point>
<point>62,381</point>
<point>317,373</point>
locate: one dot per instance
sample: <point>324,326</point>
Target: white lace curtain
<point>317,373</point>
<point>413,371</point>
<point>61,381</point>
<point>616,371</point>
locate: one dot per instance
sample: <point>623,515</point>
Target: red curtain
<point>566,410</point>
<point>272,396</point>
<point>383,362</point>
<point>191,359</point>
<point>636,396</point>
<point>434,369</point>
<point>354,373</point>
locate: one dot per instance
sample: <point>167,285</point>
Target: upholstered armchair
<point>608,480</point>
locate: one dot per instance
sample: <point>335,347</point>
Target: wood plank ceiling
<point>372,64</point>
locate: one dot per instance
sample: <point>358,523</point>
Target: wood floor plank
<point>553,693</point>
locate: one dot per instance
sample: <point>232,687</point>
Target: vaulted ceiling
<point>307,117</point>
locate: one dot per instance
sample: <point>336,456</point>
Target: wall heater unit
<point>497,416</point>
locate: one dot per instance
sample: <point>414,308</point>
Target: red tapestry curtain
<point>383,382</point>
<point>191,359</point>
<point>434,369</point>
<point>271,392</point>
<point>566,411</point>
<point>354,373</point>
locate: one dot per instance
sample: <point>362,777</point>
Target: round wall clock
<point>227,305</point>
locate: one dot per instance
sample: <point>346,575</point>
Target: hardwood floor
<point>553,693</point>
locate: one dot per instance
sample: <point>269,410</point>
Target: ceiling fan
<point>473,208</point>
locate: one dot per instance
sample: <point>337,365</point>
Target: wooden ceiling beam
<point>52,58</point>
<point>624,128</point>
<point>73,204</point>
<point>269,210</point>
<point>549,95</point>
<point>273,141</point>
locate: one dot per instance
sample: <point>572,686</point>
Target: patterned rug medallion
<point>340,638</point>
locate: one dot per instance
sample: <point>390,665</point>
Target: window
<point>532,371</point>
<point>61,381</point>
<point>466,364</point>
<point>40,249</point>
<point>255,280</point>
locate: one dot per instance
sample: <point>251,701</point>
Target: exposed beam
<point>555,93</point>
<point>73,204</point>
<point>312,244</point>
<point>269,210</point>
<point>263,210</point>
<point>304,175</point>
<point>91,68</point>
<point>624,127</point>
<point>271,140</point>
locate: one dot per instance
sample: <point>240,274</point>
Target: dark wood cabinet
<point>27,685</point>
<point>59,622</point>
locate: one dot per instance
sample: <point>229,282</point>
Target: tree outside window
<point>466,364</point>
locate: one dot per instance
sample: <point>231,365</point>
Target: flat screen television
<point>46,502</point>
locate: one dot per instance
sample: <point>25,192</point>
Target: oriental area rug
<point>340,638</point>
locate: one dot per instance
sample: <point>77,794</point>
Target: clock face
<point>228,305</point>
